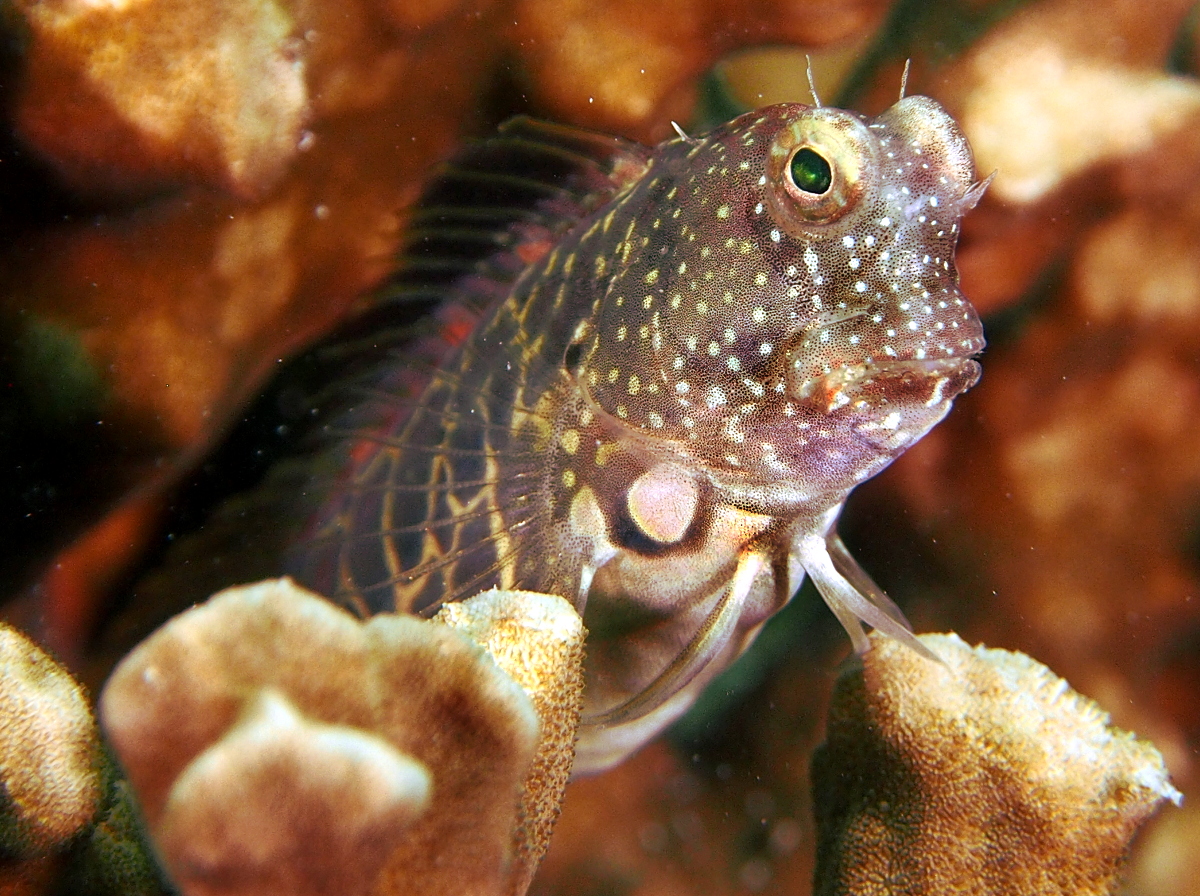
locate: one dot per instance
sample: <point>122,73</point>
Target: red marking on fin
<point>533,251</point>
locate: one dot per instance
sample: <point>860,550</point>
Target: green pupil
<point>810,172</point>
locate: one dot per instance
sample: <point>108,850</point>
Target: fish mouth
<point>891,379</point>
<point>891,404</point>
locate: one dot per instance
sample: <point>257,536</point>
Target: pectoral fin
<point>851,594</point>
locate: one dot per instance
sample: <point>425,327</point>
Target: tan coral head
<point>280,745</point>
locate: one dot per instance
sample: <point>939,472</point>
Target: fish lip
<point>928,366</point>
<point>959,372</point>
<point>851,374</point>
<point>890,381</point>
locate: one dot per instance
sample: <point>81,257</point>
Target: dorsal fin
<point>489,211</point>
<point>531,176</point>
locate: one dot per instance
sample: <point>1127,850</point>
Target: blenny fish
<point>654,378</point>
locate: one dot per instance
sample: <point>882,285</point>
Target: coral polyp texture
<point>279,745</point>
<point>984,774</point>
<point>538,640</point>
<point>50,759</point>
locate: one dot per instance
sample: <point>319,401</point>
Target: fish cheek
<point>665,510</point>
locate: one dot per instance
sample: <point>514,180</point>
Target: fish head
<point>786,311</point>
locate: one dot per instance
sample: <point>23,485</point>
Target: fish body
<point>665,380</point>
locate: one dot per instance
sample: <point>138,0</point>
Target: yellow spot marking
<point>569,440</point>
<point>652,277</point>
<point>568,478</point>
<point>635,384</point>
<point>613,373</point>
<point>723,213</point>
<point>760,279</point>
<point>499,531</point>
<point>587,519</point>
<point>604,453</point>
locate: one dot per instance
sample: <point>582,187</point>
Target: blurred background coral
<point>194,191</point>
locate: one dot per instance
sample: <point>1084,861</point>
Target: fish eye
<point>573,355</point>
<point>821,165</point>
<point>810,172</point>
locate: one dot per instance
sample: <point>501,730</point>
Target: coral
<point>49,751</point>
<point>244,815</point>
<point>66,820</point>
<point>267,720</point>
<point>622,67</point>
<point>1037,76</point>
<point>149,91</point>
<point>986,774</point>
<point>537,639</point>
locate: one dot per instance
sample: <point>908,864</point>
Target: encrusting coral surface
<point>986,774</point>
<point>49,750</point>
